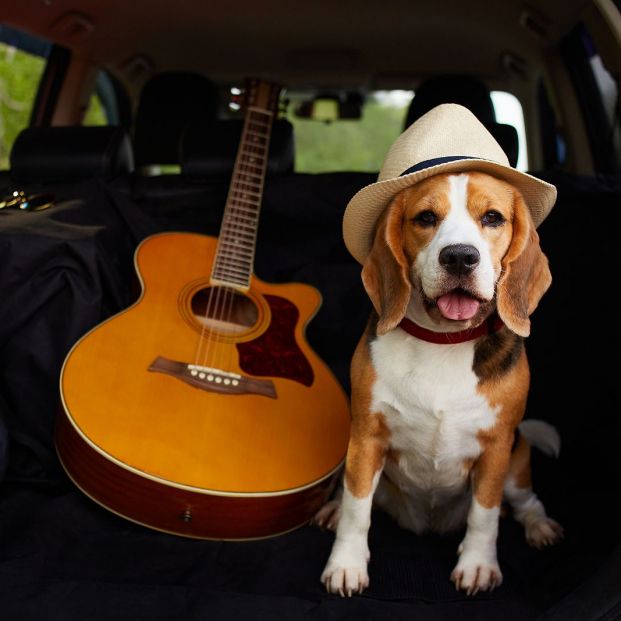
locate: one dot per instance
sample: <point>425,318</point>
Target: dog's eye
<point>492,218</point>
<point>426,218</point>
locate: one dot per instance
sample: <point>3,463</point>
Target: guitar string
<point>203,323</point>
<point>247,157</point>
<point>213,355</point>
<point>203,338</point>
<point>222,309</point>
<point>247,162</point>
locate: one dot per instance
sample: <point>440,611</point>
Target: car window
<point>361,145</point>
<point>22,62</point>
<point>352,145</point>
<point>508,109</point>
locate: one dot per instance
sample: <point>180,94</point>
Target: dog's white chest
<point>428,395</point>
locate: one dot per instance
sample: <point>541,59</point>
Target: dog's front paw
<point>543,532</point>
<point>475,573</point>
<point>346,570</point>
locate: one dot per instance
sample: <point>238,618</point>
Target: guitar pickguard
<point>276,353</point>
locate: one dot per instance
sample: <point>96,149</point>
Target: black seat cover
<point>72,153</point>
<point>209,150</point>
<point>169,102</point>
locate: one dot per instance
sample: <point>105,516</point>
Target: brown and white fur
<point>433,425</point>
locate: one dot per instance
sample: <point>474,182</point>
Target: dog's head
<point>451,249</point>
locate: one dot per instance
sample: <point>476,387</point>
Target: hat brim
<point>367,204</point>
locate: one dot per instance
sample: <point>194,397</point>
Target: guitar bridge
<point>212,379</point>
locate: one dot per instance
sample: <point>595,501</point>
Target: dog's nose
<point>459,259</point>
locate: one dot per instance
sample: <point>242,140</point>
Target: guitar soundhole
<point>224,310</point>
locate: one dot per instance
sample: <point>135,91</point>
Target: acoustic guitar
<point>201,410</point>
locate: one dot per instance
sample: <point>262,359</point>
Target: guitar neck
<point>233,264</point>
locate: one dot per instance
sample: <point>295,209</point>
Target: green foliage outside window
<point>351,145</point>
<point>95,113</point>
<point>20,73</point>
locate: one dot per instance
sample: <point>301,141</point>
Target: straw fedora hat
<point>449,138</point>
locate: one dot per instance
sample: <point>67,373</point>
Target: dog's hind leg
<point>328,516</point>
<point>540,530</point>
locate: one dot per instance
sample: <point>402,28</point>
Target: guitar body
<point>208,425</point>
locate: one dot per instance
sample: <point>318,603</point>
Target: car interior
<point>129,117</point>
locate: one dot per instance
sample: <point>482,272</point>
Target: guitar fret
<point>236,208</point>
<point>246,259</point>
<point>258,128</point>
<point>231,219</point>
<point>256,197</point>
<point>239,234</point>
<point>245,202</point>
<point>255,135</point>
<point>241,252</point>
<point>245,205</point>
<point>226,265</point>
<point>235,246</point>
<point>254,111</point>
<point>243,261</point>
<point>247,194</point>
<point>254,150</point>
<point>243,267</point>
<point>242,189</point>
<point>255,170</point>
<point>242,181</point>
<point>253,117</point>
<point>251,179</point>
<point>235,250</point>
<point>247,179</point>
<point>238,225</point>
<point>257,157</point>
<point>245,220</point>
<point>245,173</point>
<point>252,159</point>
<point>234,271</point>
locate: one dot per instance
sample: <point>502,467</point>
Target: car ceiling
<point>376,44</point>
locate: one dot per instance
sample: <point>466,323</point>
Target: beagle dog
<point>440,379</point>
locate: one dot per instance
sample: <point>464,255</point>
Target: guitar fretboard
<point>234,260</point>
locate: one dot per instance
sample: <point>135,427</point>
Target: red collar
<point>493,324</point>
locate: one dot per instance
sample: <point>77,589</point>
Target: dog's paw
<point>544,532</point>
<point>345,580</point>
<point>328,516</point>
<point>474,573</point>
<point>346,571</point>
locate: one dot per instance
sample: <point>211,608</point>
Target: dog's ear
<point>385,271</point>
<point>525,274</point>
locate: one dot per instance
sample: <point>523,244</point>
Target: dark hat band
<point>437,161</point>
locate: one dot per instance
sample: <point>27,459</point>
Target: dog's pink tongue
<point>456,305</point>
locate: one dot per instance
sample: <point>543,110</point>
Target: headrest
<point>471,93</point>
<point>169,102</point>
<point>56,154</point>
<point>209,150</point>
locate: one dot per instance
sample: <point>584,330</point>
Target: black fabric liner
<point>63,557</point>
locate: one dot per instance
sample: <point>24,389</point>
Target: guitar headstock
<point>260,94</point>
